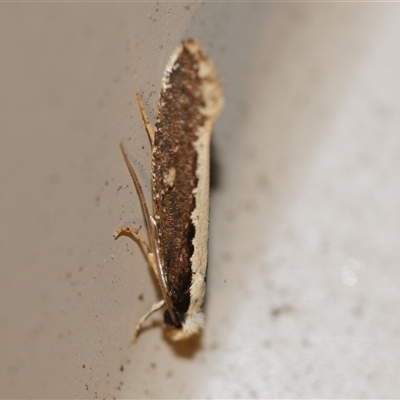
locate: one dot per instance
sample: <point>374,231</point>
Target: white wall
<point>303,271</point>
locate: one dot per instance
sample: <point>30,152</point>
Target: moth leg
<point>135,233</point>
<point>146,120</point>
<point>138,236</point>
<point>155,307</point>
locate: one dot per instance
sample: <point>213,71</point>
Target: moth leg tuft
<point>138,237</point>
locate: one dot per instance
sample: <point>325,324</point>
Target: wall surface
<point>304,266</point>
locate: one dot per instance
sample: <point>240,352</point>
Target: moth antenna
<point>146,120</point>
<point>152,235</point>
<point>142,199</point>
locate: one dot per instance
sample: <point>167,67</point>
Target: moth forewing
<point>190,101</point>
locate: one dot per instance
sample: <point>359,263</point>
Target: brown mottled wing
<point>174,172</point>
<point>190,101</point>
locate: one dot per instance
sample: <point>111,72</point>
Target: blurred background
<point>303,285</point>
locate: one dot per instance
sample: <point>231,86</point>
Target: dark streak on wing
<point>177,121</point>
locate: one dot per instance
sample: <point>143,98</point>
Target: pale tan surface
<point>304,266</point>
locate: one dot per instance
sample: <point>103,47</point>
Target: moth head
<point>174,320</point>
<point>191,325</point>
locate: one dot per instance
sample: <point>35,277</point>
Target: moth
<point>190,100</point>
